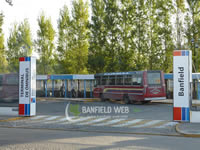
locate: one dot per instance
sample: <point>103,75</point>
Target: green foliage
<point>19,44</point>
<point>160,44</point>
<point>76,54</point>
<point>3,61</point>
<point>112,48</point>
<point>64,41</point>
<point>45,45</point>
<point>122,35</point>
<point>192,32</point>
<point>96,59</point>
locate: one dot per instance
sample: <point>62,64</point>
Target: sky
<point>30,9</point>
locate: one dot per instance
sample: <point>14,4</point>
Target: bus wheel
<point>126,99</point>
<point>102,98</point>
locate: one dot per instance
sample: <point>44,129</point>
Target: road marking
<point>37,117</point>
<point>94,121</point>
<point>81,119</point>
<point>98,121</point>
<point>169,124</point>
<point>147,124</point>
<point>163,122</point>
<point>109,122</point>
<point>51,118</point>
<point>135,121</point>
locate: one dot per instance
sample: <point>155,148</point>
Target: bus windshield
<point>154,78</point>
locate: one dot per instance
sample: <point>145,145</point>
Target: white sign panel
<point>27,86</point>
<point>182,76</point>
<point>24,83</point>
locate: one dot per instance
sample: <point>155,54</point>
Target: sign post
<point>182,77</point>
<point>27,86</point>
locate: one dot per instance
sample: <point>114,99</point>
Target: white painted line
<point>153,122</point>
<point>76,120</point>
<point>51,118</point>
<point>38,117</point>
<point>128,123</point>
<point>169,124</point>
<point>109,122</point>
<point>59,120</point>
<point>8,111</point>
<point>94,121</point>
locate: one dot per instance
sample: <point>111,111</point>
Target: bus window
<point>104,80</point>
<point>119,80</point>
<point>127,80</point>
<point>111,80</point>
<point>153,78</point>
<point>97,81</point>
<point>136,80</point>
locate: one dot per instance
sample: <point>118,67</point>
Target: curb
<point>12,119</point>
<point>95,131</point>
<point>185,134</point>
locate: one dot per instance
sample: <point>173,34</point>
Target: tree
<point>76,57</point>
<point>45,45</point>
<point>193,30</point>
<point>140,41</point>
<point>3,61</point>
<point>19,44</point>
<point>64,40</point>
<point>126,53</point>
<point>180,9</point>
<point>166,57</point>
<point>112,29</point>
<point>96,60</point>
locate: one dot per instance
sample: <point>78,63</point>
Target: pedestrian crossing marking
<point>135,121</point>
<point>169,124</point>
<point>109,122</point>
<point>147,124</point>
<point>98,121</point>
<point>93,121</point>
<point>138,123</point>
<point>158,124</point>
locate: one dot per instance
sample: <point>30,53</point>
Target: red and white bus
<point>134,86</point>
<point>9,87</point>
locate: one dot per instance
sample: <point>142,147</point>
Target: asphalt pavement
<point>28,139</point>
<point>148,117</point>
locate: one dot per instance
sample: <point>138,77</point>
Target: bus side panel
<point>154,91</point>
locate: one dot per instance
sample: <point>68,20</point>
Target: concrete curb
<point>96,131</point>
<point>185,133</point>
<point>13,119</point>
